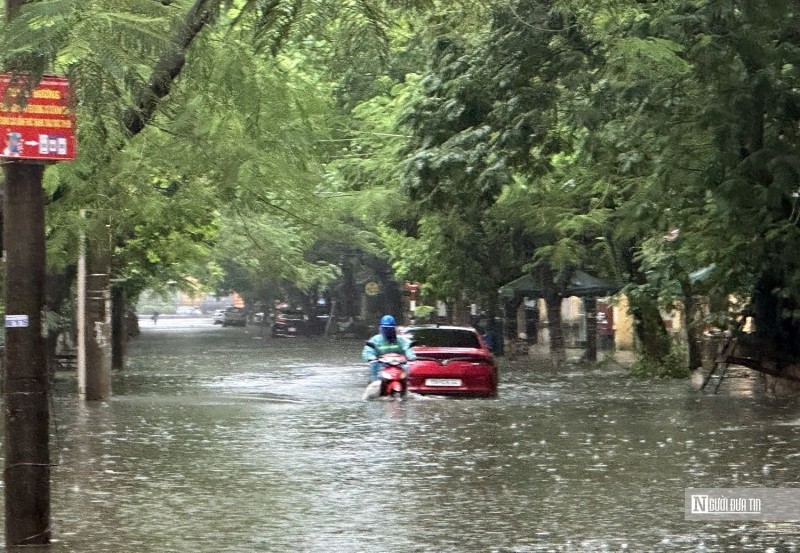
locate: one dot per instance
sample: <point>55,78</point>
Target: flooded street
<point>219,440</point>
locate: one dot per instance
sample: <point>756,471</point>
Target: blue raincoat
<point>401,345</point>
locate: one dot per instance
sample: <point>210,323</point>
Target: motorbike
<point>393,378</point>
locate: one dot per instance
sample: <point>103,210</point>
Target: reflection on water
<point>219,441</point>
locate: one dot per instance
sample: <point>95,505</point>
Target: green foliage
<point>60,36</point>
<point>368,158</point>
<point>468,142</point>
<point>226,174</point>
<point>251,127</point>
<point>673,365</point>
<point>496,135</point>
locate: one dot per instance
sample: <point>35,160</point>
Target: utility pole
<point>26,476</point>
<point>27,130</point>
<point>98,319</point>
<point>26,387</point>
<point>94,317</point>
<point>81,310</point>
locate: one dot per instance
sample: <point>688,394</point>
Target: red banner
<point>41,126</point>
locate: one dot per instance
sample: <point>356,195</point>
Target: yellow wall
<point>571,309</point>
<point>623,324</point>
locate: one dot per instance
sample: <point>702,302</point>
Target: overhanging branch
<point>167,68</point>
<point>295,216</point>
<point>756,365</point>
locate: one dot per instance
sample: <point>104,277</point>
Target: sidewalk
<point>539,355</point>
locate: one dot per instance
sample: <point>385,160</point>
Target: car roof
<point>442,327</point>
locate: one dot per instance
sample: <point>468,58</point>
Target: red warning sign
<point>40,125</point>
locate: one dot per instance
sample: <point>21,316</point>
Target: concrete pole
<point>522,321</point>
<point>81,312</point>
<point>98,321</point>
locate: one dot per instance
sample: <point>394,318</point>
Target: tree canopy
<point>466,145</point>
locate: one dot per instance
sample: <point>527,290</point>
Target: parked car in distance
<point>452,361</point>
<point>219,314</point>
<point>234,316</point>
<point>289,323</point>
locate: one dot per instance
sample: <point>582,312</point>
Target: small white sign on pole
<point>16,321</point>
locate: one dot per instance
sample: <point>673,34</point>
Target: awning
<point>581,285</point>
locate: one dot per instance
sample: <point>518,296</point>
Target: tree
<point>745,58</point>
<point>511,150</point>
<point>119,99</point>
<point>38,40</point>
<point>709,121</point>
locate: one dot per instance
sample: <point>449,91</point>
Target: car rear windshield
<point>444,338</point>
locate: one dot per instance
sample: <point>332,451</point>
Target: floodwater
<point>221,440</point>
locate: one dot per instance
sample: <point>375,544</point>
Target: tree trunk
<point>650,330</point>
<point>648,326</point>
<point>558,351</point>
<point>553,284</point>
<point>26,380</point>
<point>119,328</point>
<point>776,326</point>
<point>58,289</point>
<point>691,313</point>
<point>510,319</point>
<point>460,311</point>
<point>347,301</point>
<point>590,307</point>
<point>773,330</point>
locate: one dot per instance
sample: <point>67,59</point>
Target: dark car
<point>451,360</point>
<point>292,321</point>
<point>289,323</point>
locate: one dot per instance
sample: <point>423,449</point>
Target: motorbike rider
<point>386,341</point>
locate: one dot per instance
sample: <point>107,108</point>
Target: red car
<point>451,360</point>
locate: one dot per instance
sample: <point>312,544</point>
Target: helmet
<point>388,329</point>
<point>388,321</point>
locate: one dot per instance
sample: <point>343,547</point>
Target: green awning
<point>581,285</point>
